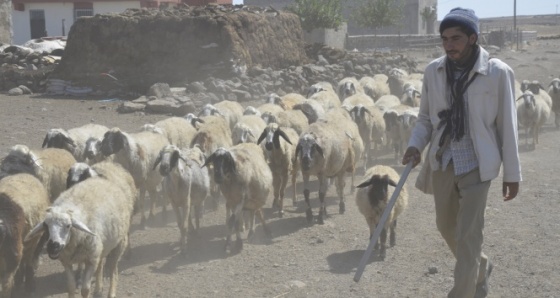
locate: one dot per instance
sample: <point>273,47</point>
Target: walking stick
<point>381,224</point>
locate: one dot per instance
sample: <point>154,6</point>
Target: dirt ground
<point>301,260</point>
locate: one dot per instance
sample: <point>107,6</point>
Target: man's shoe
<point>482,287</point>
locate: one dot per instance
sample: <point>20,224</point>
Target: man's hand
<point>412,154</point>
<point>510,190</point>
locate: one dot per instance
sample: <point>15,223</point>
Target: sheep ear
<point>158,160</point>
<point>298,150</point>
<point>35,232</point>
<point>417,92</point>
<point>520,97</point>
<point>81,226</point>
<point>261,137</point>
<point>46,140</point>
<point>319,149</point>
<point>365,110</point>
<point>210,159</point>
<point>364,184</point>
<point>284,136</point>
<point>389,181</point>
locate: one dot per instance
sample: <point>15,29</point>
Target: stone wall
<point>365,42</point>
<point>335,38</point>
<point>178,45</point>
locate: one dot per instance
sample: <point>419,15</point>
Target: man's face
<point>457,45</point>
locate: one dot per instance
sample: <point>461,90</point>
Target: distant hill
<point>545,25</point>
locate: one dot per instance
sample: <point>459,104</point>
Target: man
<point>468,116</point>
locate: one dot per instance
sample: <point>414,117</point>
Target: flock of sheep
<point>79,193</point>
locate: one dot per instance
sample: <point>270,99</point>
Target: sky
<point>500,8</point>
<point>494,8</point>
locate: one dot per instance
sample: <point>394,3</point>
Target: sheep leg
<point>141,202</point>
<point>153,199</point>
<point>393,238</point>
<point>308,212</point>
<point>383,240</point>
<point>179,217</point>
<point>283,185</point>
<point>88,273</point>
<point>251,235</point>
<point>556,119</point>
<point>112,266</point>
<point>263,222</point>
<point>229,230</point>
<point>323,185</point>
<point>29,274</point>
<point>276,182</point>
<point>98,291</point>
<point>185,216</point>
<point>340,190</point>
<point>8,284</point>
<point>294,176</point>
<point>70,280</point>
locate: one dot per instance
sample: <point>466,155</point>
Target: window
<point>82,12</point>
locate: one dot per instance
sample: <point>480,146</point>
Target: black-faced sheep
<point>347,87</point>
<point>73,140</point>
<point>23,201</point>
<point>230,110</point>
<point>372,198</point>
<point>532,113</point>
<point>137,153</point>
<point>281,159</point>
<point>245,181</point>
<point>49,165</point>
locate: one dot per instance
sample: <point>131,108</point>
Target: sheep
<point>372,198</point>
<point>320,87</point>
<point>392,129</point>
<point>348,86</point>
<point>294,119</point>
<point>92,151</point>
<point>193,119</point>
<point>535,87</point>
<point>179,131</point>
<point>411,96</point>
<point>270,108</point>
<point>325,96</point>
<point>399,79</point>
<point>136,153</point>
<point>23,199</point>
<point>287,102</point>
<point>245,181</point>
<point>324,150</point>
<point>312,109</point>
<point>280,160</point>
<point>371,126</point>
<point>387,102</point>
<point>230,110</point>
<point>87,224</point>
<point>357,99</point>
<point>376,86</point>
<point>250,110</point>
<point>405,124</point>
<point>73,140</point>
<point>532,113</point>
<point>49,165</point>
<point>554,93</point>
<point>246,129</point>
<point>213,134</point>
<point>186,183</point>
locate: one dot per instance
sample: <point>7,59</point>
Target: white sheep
<point>49,165</point>
<point>411,96</point>
<point>137,153</point>
<point>88,224</point>
<point>294,119</point>
<point>270,108</point>
<point>372,198</point>
<point>245,181</point>
<point>23,201</point>
<point>399,79</point>
<point>186,183</point>
<point>392,127</point>
<point>92,151</point>
<point>247,129</point>
<point>73,140</point>
<point>320,87</point>
<point>281,160</point>
<point>375,86</point>
<point>326,98</point>
<point>554,93</point>
<point>230,110</point>
<point>287,102</point>
<point>371,126</point>
<point>324,150</point>
<point>357,99</point>
<point>179,131</point>
<point>387,102</point>
<point>348,86</point>
<point>532,113</point>
<point>250,110</point>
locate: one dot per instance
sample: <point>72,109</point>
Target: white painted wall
<point>55,12</point>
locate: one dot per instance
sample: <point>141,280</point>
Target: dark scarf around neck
<point>454,118</point>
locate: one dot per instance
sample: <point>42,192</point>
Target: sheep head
<point>555,85</point>
<point>223,163</point>
<point>58,138</point>
<point>250,110</point>
<point>409,96</point>
<point>209,110</point>
<point>378,188</point>
<point>390,118</point>
<point>20,160</point>
<point>193,120</point>
<point>113,141</point>
<point>153,128</point>
<point>168,159</point>
<point>529,102</point>
<point>407,120</point>
<point>92,148</point>
<point>358,113</point>
<point>273,98</point>
<point>346,89</point>
<point>272,133</point>
<point>308,150</point>
<point>59,224</point>
<point>268,117</point>
<point>79,172</point>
